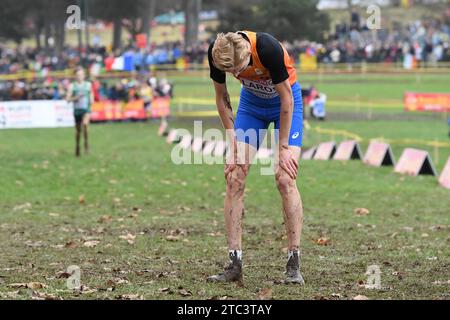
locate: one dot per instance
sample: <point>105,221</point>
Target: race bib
<point>260,88</point>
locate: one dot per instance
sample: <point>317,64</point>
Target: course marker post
<point>173,137</point>
<point>197,145</point>
<point>414,162</point>
<point>309,153</point>
<point>186,141</point>
<point>325,151</point>
<point>444,179</point>
<point>208,148</point>
<point>220,149</point>
<point>379,154</point>
<point>348,150</point>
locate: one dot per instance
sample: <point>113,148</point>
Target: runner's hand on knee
<point>288,163</point>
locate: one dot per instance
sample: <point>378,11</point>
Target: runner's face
<point>243,66</point>
<point>80,75</point>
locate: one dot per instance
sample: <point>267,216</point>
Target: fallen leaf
<point>215,234</point>
<point>44,296</point>
<point>129,238</point>
<point>29,285</point>
<point>185,293</point>
<point>441,282</point>
<point>264,294</point>
<point>185,209</point>
<point>323,241</point>
<point>116,281</point>
<point>63,275</point>
<point>201,292</point>
<point>71,244</point>
<point>129,297</point>
<point>81,199</point>
<point>172,238</point>
<point>105,218</point>
<point>91,244</point>
<point>165,290</point>
<point>22,206</point>
<point>361,211</point>
<point>360,297</point>
<point>32,244</point>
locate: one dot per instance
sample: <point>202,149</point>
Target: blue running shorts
<point>254,115</point>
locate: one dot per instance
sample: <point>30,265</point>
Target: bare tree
<point>192,12</point>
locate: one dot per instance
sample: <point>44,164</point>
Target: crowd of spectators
<point>125,89</point>
<point>42,61</point>
<point>426,41</point>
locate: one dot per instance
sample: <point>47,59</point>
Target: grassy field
<point>139,226</point>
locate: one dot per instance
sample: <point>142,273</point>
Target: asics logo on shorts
<point>295,135</point>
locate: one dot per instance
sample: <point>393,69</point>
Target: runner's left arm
<point>223,102</point>
<point>272,57</point>
<point>286,110</point>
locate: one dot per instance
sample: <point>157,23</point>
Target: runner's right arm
<point>69,96</point>
<point>69,93</point>
<point>223,102</point>
<point>223,105</point>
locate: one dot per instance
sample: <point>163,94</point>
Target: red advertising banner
<point>436,102</point>
<point>134,110</point>
<point>160,107</point>
<point>141,40</point>
<point>108,110</point>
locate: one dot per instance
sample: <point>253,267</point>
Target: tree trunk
<point>80,39</point>
<point>117,34</point>
<point>191,13</point>
<point>47,34</point>
<point>86,18</point>
<point>60,35</point>
<point>37,37</point>
<point>147,16</point>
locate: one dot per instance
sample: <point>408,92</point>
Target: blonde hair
<point>229,50</point>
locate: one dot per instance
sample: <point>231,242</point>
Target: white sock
<point>237,253</point>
